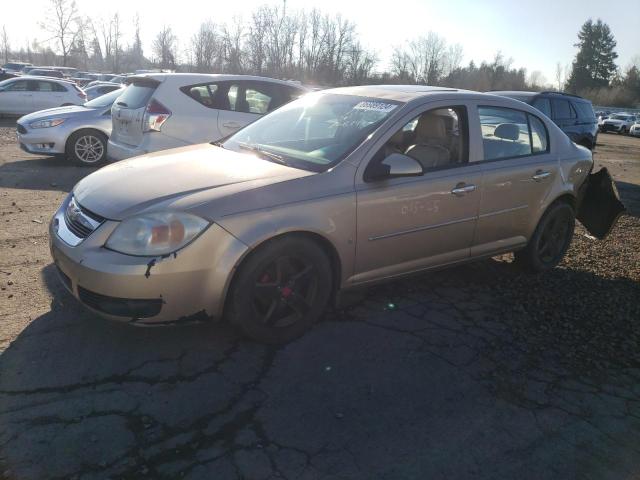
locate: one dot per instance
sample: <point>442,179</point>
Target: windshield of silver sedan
<point>314,132</point>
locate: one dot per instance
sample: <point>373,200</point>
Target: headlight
<point>54,122</point>
<point>155,234</point>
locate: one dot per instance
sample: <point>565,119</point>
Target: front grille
<point>21,129</point>
<point>120,307</point>
<point>76,226</point>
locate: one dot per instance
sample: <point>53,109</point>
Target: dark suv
<point>573,114</point>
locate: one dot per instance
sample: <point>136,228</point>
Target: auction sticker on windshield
<point>375,106</point>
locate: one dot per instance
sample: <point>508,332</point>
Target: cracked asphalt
<point>474,372</point>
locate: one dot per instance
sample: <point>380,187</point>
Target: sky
<point>536,35</point>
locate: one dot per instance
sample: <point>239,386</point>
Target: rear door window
<point>137,95</point>
<point>544,105</point>
<point>562,109</point>
<point>505,133</point>
<point>203,94</point>
<point>44,86</point>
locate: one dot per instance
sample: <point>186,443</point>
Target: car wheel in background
<point>280,290</point>
<point>87,148</point>
<point>550,240</point>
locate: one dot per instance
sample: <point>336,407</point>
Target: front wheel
<point>87,148</point>
<point>280,290</point>
<point>550,240</point>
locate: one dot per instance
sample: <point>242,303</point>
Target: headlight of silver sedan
<point>53,122</point>
<point>154,234</point>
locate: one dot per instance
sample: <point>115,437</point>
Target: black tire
<point>280,290</point>
<point>550,240</point>
<point>87,148</point>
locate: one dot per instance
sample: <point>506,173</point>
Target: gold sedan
<point>338,189</point>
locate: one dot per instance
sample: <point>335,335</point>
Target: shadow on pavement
<point>478,371</point>
<point>44,173</point>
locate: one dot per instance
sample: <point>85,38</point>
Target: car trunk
<point>600,205</point>
<point>129,111</point>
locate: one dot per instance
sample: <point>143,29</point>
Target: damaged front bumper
<point>187,286</point>
<point>599,204</point>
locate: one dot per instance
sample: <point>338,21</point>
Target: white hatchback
<point>22,95</point>
<point>168,110</point>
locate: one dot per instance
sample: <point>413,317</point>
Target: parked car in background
<point>42,72</point>
<point>573,114</point>
<point>167,110</point>
<point>68,72</point>
<point>27,69</point>
<point>78,132</point>
<point>337,189</point>
<point>618,123</point>
<point>26,94</point>
<point>635,129</point>
<point>6,75</point>
<point>601,118</point>
<point>101,89</point>
<point>14,67</point>
<point>104,78</point>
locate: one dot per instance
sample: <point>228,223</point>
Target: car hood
<point>59,112</point>
<point>180,178</point>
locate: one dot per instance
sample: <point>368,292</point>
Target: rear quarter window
<point>137,95</point>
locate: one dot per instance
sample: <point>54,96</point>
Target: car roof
<point>518,93</point>
<point>42,77</point>
<point>187,78</point>
<point>402,93</point>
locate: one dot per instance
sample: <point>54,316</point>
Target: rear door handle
<point>231,125</point>
<point>462,189</point>
<point>540,175</point>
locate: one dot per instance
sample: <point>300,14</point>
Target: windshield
<point>620,117</point>
<point>316,131</point>
<point>105,100</point>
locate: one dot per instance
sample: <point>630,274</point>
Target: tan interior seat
<point>431,143</point>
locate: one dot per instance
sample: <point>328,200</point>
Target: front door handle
<point>462,189</point>
<point>231,125</point>
<point>540,175</point>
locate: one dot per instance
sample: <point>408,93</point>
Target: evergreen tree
<point>594,64</point>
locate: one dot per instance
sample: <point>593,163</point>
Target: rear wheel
<point>281,290</point>
<point>550,240</point>
<point>87,148</point>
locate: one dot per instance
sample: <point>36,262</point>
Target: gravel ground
<point>474,372</point>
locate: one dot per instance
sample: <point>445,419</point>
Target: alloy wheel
<point>284,291</point>
<point>89,149</point>
<point>554,237</point>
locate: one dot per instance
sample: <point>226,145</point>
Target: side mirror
<point>395,165</point>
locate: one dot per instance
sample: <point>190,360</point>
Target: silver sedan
<point>79,132</point>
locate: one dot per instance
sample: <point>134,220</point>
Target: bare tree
<point>5,44</point>
<point>536,79</point>
<point>205,47</point>
<point>164,48</point>
<point>232,45</point>
<point>61,23</point>
<point>116,35</point>
<point>559,76</point>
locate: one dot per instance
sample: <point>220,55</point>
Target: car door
<point>518,173</point>
<point>16,98</point>
<point>409,224</point>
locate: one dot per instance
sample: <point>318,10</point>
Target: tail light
<point>155,116</point>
